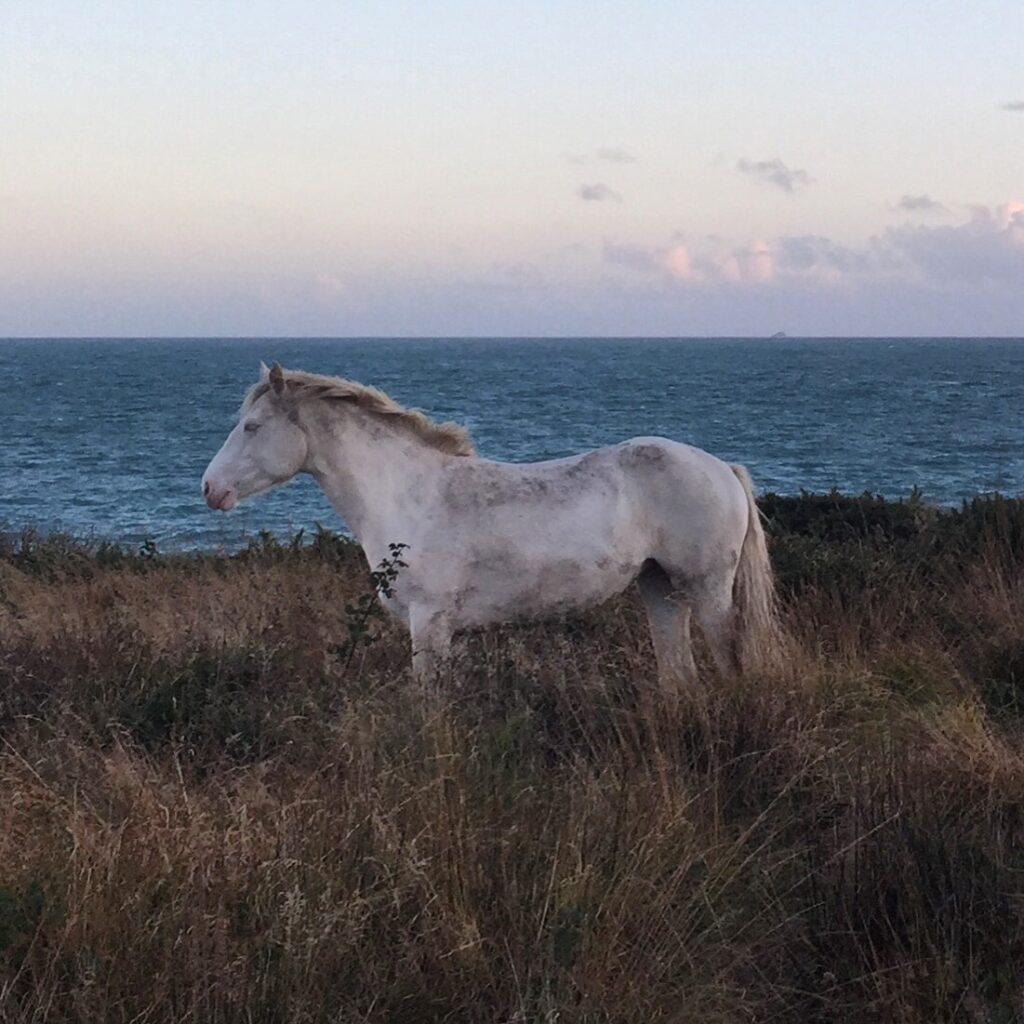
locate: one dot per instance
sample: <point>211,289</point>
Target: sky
<point>542,167</point>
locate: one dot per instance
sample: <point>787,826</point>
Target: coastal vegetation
<point>222,798</point>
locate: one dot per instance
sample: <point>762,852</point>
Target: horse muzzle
<point>221,498</point>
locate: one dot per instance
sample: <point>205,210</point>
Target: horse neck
<point>373,475</point>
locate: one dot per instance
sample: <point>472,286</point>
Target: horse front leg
<point>431,643</point>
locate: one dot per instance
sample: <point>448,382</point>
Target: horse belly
<point>552,570</point>
<point>561,585</point>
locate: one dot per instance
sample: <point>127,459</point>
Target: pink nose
<point>218,499</point>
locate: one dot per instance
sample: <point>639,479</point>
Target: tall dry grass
<point>205,816</point>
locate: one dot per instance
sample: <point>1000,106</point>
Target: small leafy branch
<point>361,613</point>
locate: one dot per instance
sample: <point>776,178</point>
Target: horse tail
<point>754,604</point>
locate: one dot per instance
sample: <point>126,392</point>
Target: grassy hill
<point>214,808</point>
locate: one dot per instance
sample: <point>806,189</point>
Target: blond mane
<point>446,437</point>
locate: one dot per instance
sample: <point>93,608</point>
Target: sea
<point>108,438</point>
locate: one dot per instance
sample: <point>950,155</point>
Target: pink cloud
<point>329,285</point>
<point>987,247</point>
<point>678,263</point>
<point>1010,217</point>
<point>756,261</point>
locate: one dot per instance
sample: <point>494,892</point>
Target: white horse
<point>491,541</point>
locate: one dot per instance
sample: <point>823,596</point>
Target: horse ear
<point>277,378</point>
<point>264,370</point>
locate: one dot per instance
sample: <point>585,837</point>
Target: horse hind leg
<point>668,615</point>
<point>713,607</point>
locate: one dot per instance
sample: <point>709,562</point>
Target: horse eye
<point>251,428</point>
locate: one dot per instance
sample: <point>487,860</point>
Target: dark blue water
<point>111,437</point>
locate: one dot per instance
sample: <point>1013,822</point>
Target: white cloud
<point>610,154</point>
<point>636,257</point>
<point>598,193</point>
<point>919,204</point>
<point>989,248</point>
<point>775,172</point>
<point>615,155</point>
<point>985,250</point>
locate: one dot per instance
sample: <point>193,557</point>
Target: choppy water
<point>111,437</point>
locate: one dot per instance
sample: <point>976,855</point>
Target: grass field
<point>213,810</point>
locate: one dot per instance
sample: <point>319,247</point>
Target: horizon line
<point>510,337</point>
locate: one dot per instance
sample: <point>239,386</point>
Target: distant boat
<point>780,334</point>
